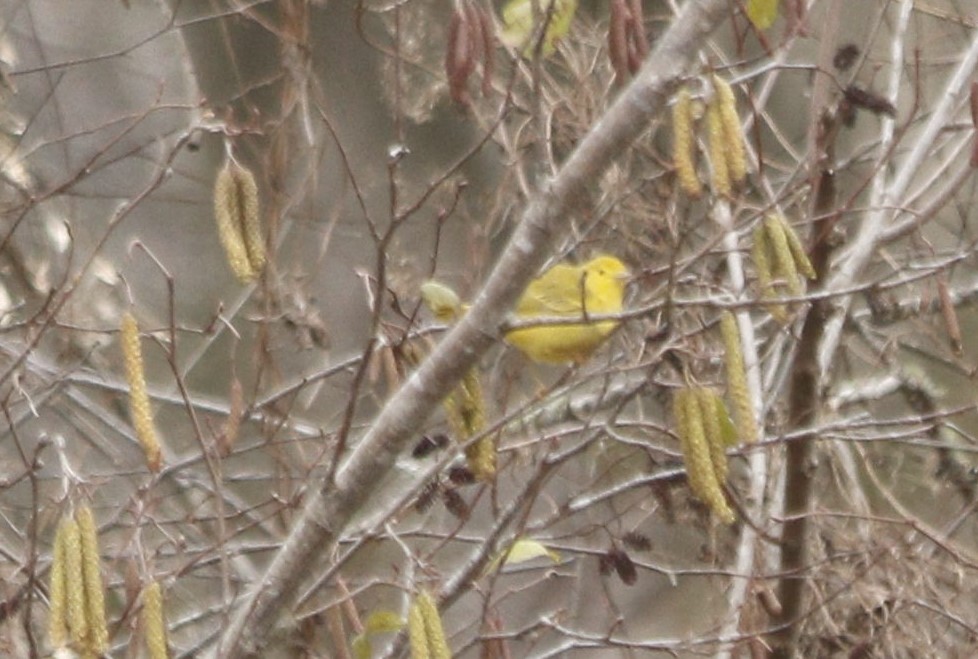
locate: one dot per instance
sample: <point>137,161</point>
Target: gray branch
<point>330,506</point>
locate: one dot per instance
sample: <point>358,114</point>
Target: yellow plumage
<point>569,291</point>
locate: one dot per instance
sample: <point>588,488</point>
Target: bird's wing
<point>556,293</point>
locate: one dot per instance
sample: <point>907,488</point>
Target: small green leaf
<point>728,431</point>
<point>520,551</point>
<point>762,13</point>
<point>383,621</point>
<point>518,27</point>
<point>361,647</point>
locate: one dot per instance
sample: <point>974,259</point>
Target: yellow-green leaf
<point>522,550</point>
<point>519,29</point>
<point>441,300</point>
<point>762,13</point>
<point>383,621</point>
<point>727,429</point>
<point>361,647</point>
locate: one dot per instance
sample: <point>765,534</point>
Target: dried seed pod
<point>489,42</point>
<point>785,267</point>
<point>154,622</point>
<point>232,426</point>
<point>58,593</point>
<point>228,212</point>
<point>459,56</point>
<point>949,314</point>
<point>639,39</point>
<point>437,645</point>
<point>618,39</point>
<point>139,406</point>
<point>770,601</point>
<point>761,255</point>
<point>98,631</point>
<point>75,584</point>
<point>719,170</point>
<point>733,357</point>
<point>797,249</point>
<point>706,398</point>
<point>733,135</point>
<point>684,144</point>
<point>696,455</point>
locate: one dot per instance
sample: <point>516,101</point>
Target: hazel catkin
<point>733,357</point>
<point>237,212</point>
<point>139,405</point>
<point>98,632</point>
<point>700,470</point>
<point>684,144</point>
<point>154,622</point>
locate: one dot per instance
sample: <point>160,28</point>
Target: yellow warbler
<point>595,287</point>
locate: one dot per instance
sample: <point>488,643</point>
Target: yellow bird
<point>568,291</point>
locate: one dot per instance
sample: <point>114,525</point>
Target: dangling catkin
<point>696,454</point>
<point>249,211</point>
<point>684,144</point>
<point>417,634</point>
<point>154,622</point>
<point>785,268</point>
<point>733,135</point>
<point>760,254</point>
<point>98,632</point>
<point>75,581</point>
<point>733,357</point>
<point>437,644</point>
<point>236,210</point>
<point>706,398</point>
<point>139,407</point>
<point>720,171</point>
<point>797,249</point>
<point>58,613</point>
<point>465,409</point>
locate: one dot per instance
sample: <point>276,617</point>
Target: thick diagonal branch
<point>327,512</point>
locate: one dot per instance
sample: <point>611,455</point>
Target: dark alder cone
<point>623,565</point>
<point>845,56</point>
<point>867,100</point>
<point>455,503</point>
<point>637,541</point>
<point>427,496</point>
<point>428,445</point>
<point>461,475</point>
